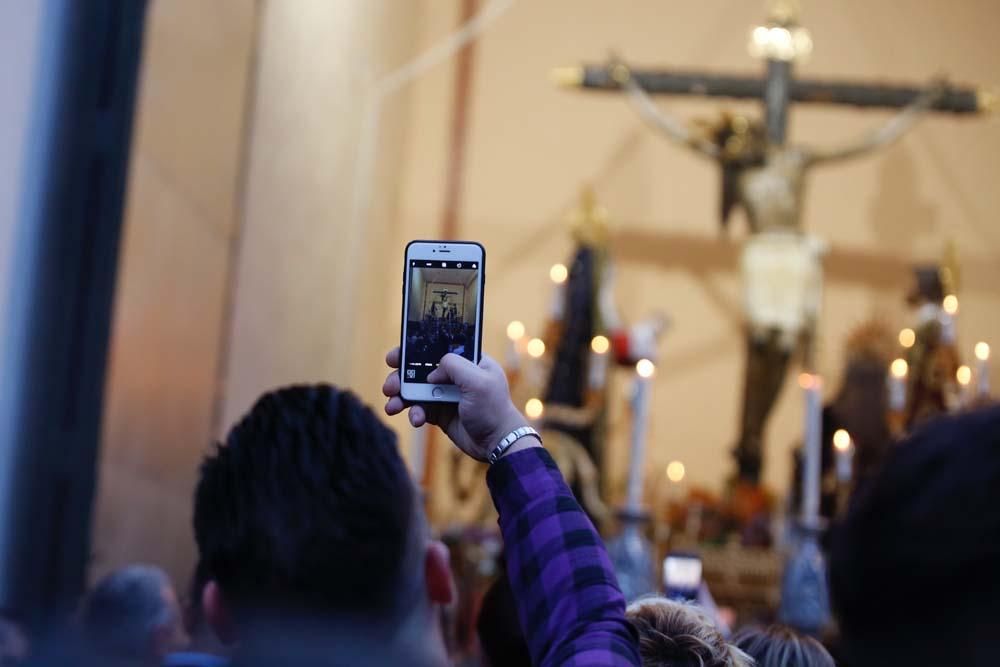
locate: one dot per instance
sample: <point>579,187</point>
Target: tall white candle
<point>897,385</point>
<point>598,373</point>
<point>812,387</point>
<point>843,446</point>
<point>515,333</point>
<point>640,411</point>
<point>982,369</point>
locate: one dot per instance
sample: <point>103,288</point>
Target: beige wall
<point>311,302</point>
<point>532,147</point>
<point>180,220</point>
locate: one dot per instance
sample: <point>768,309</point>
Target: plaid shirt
<point>568,599</point>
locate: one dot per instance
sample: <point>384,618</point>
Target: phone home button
<point>437,392</point>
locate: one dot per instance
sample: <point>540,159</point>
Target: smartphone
<point>681,576</point>
<point>442,313</point>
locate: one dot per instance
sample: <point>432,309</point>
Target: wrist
<point>527,442</point>
<point>510,420</point>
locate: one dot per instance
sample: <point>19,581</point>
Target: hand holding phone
<point>442,314</point>
<point>483,415</point>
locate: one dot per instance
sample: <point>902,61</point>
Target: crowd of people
<point>314,549</point>
<point>433,337</point>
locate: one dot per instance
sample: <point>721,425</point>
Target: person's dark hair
<point>499,629</point>
<point>307,506</point>
<point>121,615</point>
<point>780,646</point>
<point>913,570</point>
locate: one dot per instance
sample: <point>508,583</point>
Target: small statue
<point>933,359</point>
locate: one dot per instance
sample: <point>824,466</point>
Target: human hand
<point>484,413</point>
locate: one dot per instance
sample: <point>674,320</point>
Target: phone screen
<point>441,314</point>
<point>681,576</point>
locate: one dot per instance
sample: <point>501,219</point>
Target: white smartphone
<point>443,285</point>
<point>681,576</point>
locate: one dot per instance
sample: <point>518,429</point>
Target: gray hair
<point>120,615</point>
<point>672,632</point>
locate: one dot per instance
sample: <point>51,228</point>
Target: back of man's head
<point>781,646</point>
<point>131,616</point>
<point>308,508</point>
<point>679,634</point>
<point>914,569</point>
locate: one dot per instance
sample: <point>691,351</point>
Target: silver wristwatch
<point>509,440</point>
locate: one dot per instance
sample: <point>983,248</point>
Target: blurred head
<point>307,512</point>
<point>132,615</point>
<point>913,569</point>
<point>780,646</point>
<point>680,634</point>
<point>499,629</point>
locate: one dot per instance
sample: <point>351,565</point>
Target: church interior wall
<point>317,295</point>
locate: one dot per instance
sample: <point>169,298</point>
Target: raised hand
<point>484,413</point>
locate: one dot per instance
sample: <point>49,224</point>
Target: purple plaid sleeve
<point>568,600</point>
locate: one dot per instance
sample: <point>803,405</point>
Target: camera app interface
<point>440,314</point>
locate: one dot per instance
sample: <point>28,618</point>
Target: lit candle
<point>598,373</point>
<point>982,369</point>
<point>640,408</point>
<point>534,409</point>
<point>964,376</point>
<point>515,332</point>
<point>812,387</point>
<point>844,448</point>
<point>897,385</point>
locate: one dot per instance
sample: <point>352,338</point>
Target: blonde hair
<point>680,634</point>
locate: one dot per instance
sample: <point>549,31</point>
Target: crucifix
<point>765,176</point>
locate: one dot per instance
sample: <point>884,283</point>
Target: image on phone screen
<point>441,314</point>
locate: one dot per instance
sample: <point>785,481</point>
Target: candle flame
<point>963,375</point>
<point>982,351</point>
<point>675,471</point>
<point>907,337</point>
<point>536,347</point>
<point>558,273</point>
<point>950,304</point>
<point>899,368</point>
<point>534,408</point>
<point>645,368</point>
<point>600,344</point>
<point>515,330</point>
<point>841,440</point>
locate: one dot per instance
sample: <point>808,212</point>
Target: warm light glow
<point>675,471</point>
<point>899,368</point>
<point>963,375</point>
<point>645,368</point>
<point>536,347</point>
<point>907,337</point>
<point>759,36</point>
<point>982,351</point>
<point>806,380</point>
<point>558,273</point>
<point>515,330</point>
<point>950,304</point>
<point>600,344</point>
<point>841,440</point>
<point>534,408</point>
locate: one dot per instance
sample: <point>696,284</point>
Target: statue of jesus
<point>781,264</point>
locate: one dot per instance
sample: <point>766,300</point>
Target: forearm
<point>569,603</point>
